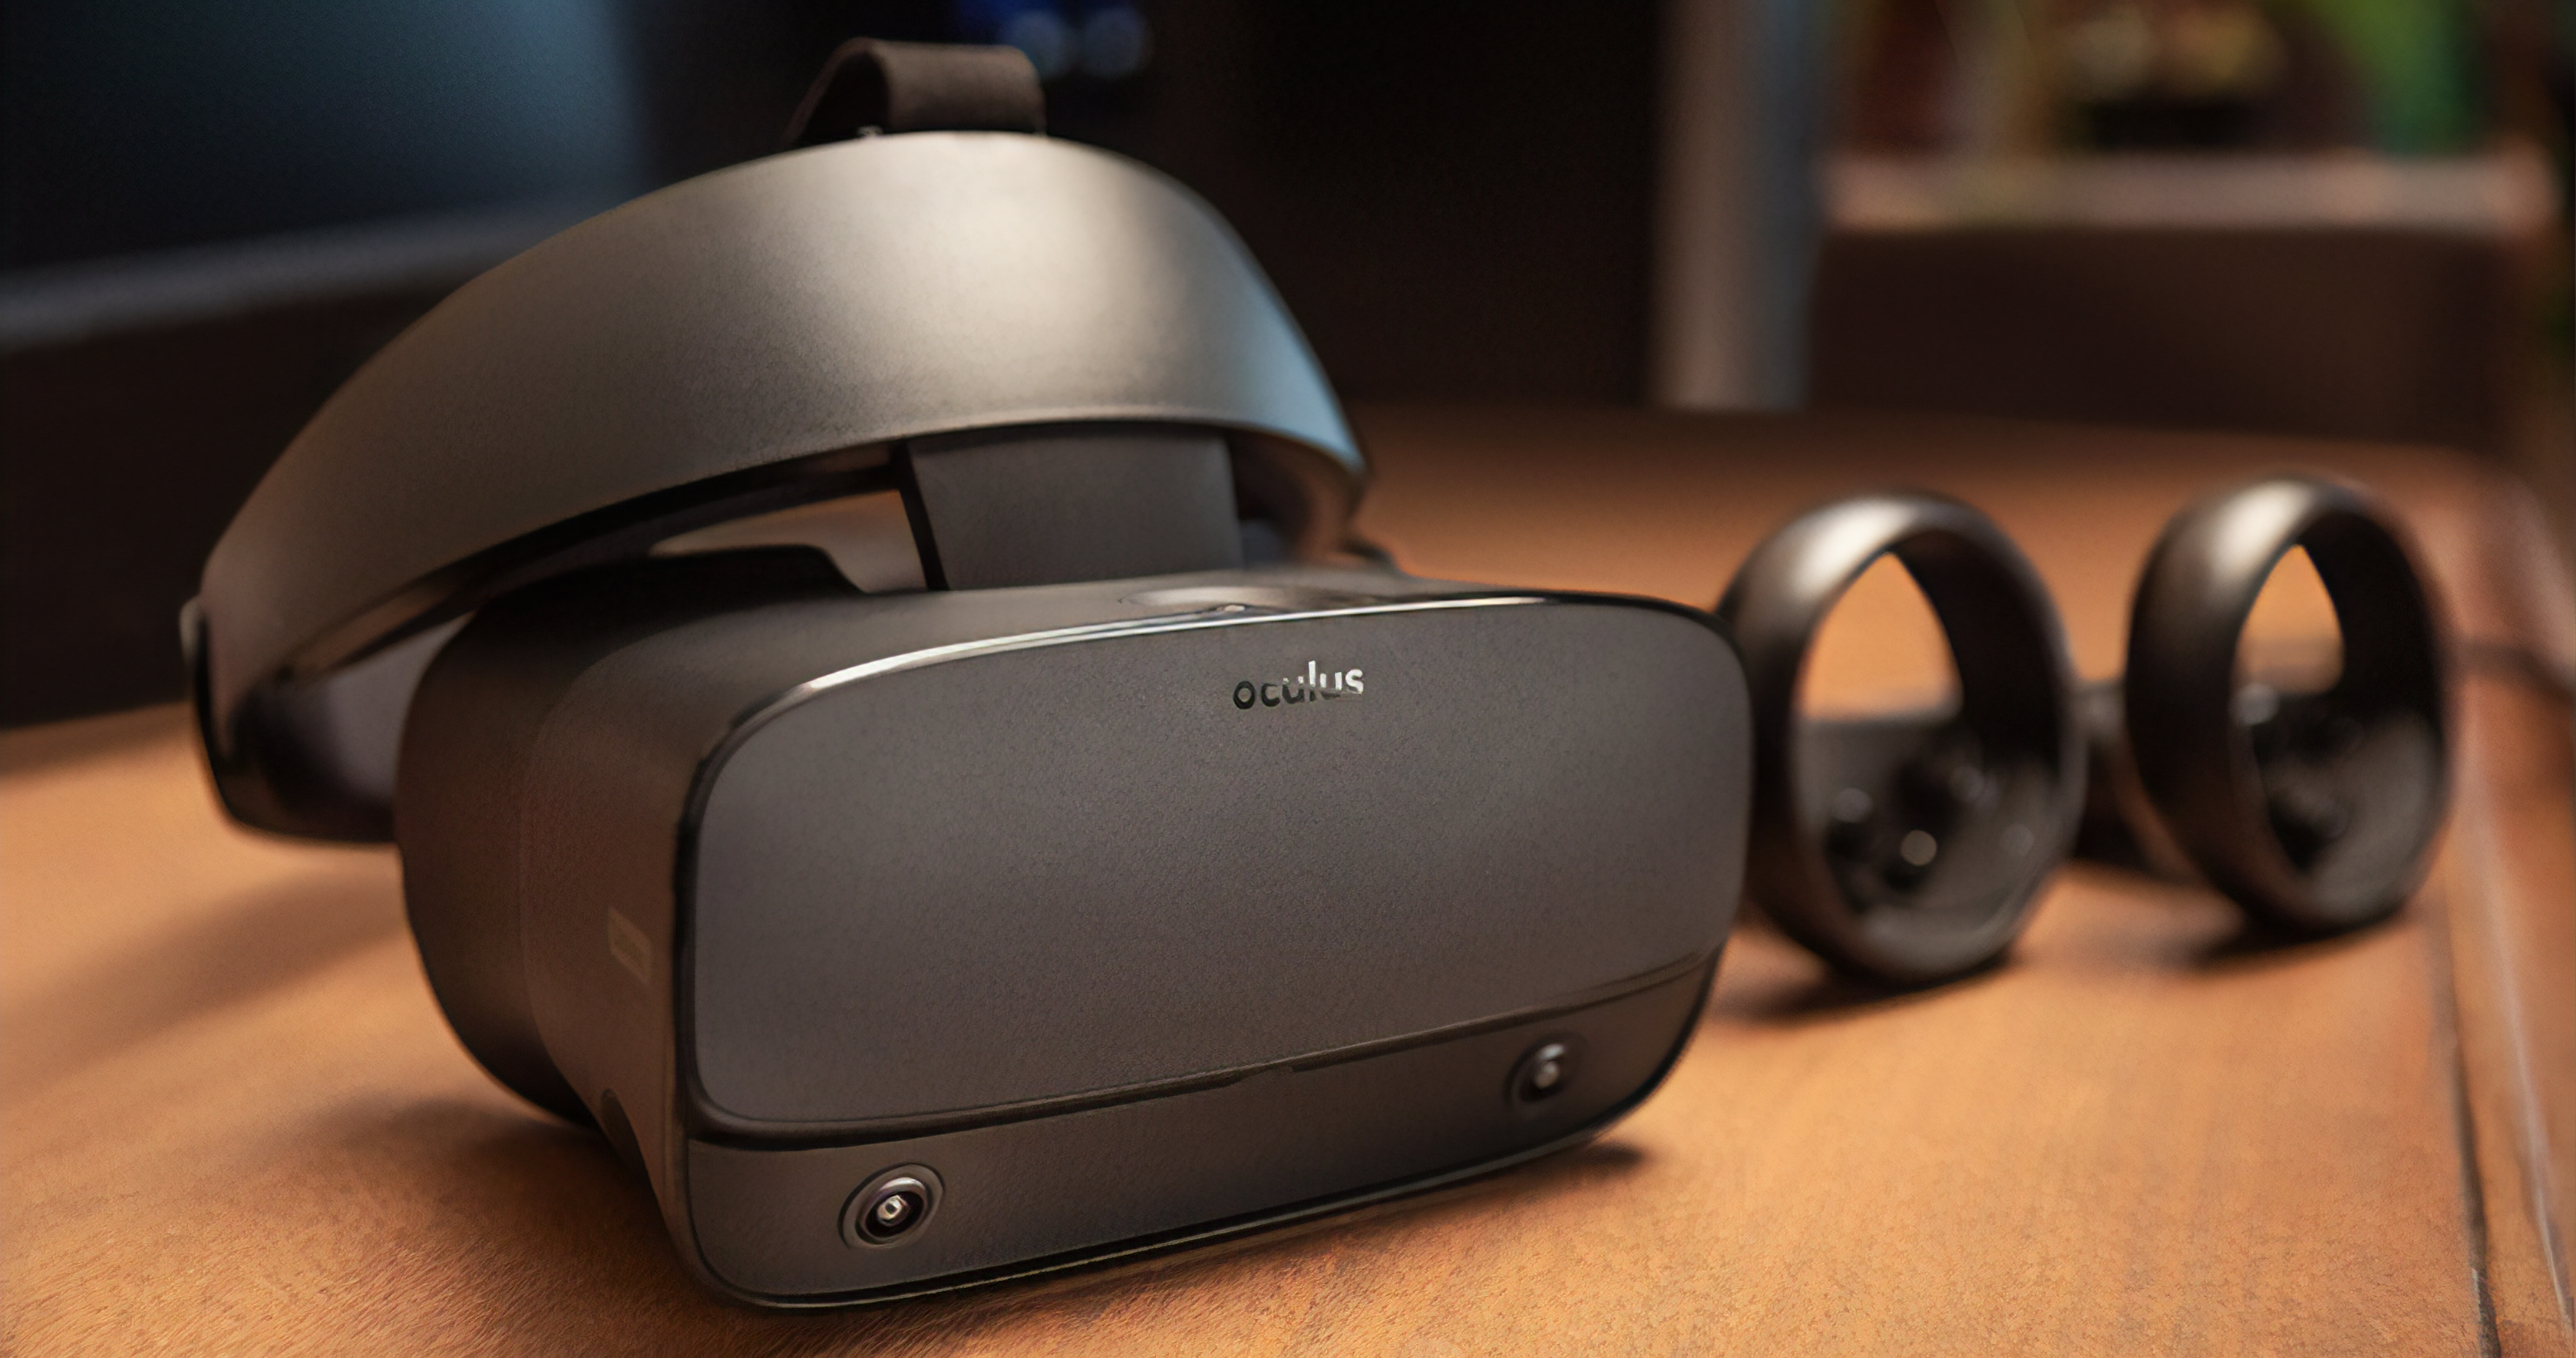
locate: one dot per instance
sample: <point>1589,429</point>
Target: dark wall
<point>121,459</point>
<point>1452,197</point>
<point>130,125</point>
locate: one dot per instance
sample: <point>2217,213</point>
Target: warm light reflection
<point>2291,643</point>
<point>1880,650</point>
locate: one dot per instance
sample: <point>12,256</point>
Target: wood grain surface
<point>232,1120</point>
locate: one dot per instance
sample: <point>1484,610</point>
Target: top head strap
<point>871,85</point>
<point>756,337</point>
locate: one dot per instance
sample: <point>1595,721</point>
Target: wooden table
<point>232,1120</point>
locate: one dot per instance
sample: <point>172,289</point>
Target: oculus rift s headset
<point>859,655</point>
<point>1910,848</point>
<point>862,658</point>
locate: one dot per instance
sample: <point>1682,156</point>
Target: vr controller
<point>1910,849</point>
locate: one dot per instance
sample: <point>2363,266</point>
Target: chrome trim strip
<point>1095,631</point>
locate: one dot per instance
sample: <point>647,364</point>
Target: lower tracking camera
<point>891,1207</point>
<point>1546,1070</point>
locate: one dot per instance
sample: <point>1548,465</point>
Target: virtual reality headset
<point>860,654</point>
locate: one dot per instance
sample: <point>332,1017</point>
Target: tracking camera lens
<point>894,1209</point>
<point>891,1207</point>
<point>1544,1072</point>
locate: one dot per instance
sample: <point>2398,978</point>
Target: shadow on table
<point>2098,919</point>
<point>35,749</point>
<point>2255,946</point>
<point>1834,993</point>
<point>533,1230</point>
<point>1767,979</point>
<point>2207,933</point>
<point>259,942</point>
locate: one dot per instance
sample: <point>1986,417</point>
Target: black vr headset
<point>859,655</point>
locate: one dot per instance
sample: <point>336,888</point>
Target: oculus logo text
<point>1312,686</point>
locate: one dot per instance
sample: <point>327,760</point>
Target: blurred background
<point>2325,217</point>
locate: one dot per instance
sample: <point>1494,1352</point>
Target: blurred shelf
<point>2507,193</point>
